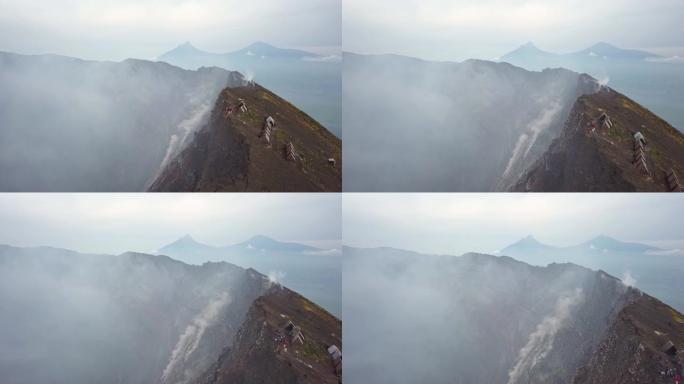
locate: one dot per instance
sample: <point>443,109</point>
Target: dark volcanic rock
<point>601,159</point>
<point>228,154</point>
<point>257,356</point>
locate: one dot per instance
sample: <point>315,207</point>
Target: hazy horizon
<point>454,224</point>
<point>464,29</point>
<point>123,222</point>
<point>101,30</point>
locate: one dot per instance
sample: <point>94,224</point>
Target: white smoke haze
<point>460,311</point>
<point>475,125</point>
<point>527,140</point>
<point>171,151</point>
<point>117,138</point>
<point>275,277</point>
<point>131,318</point>
<point>543,121</point>
<point>541,340</point>
<point>191,337</point>
<point>249,75</point>
<point>628,279</point>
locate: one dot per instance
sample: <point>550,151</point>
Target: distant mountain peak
<point>529,239</point>
<point>186,46</point>
<point>260,44</point>
<point>604,49</point>
<point>527,49</point>
<point>603,237</point>
<point>606,242</point>
<point>527,243</point>
<point>600,49</point>
<point>184,49</point>
<point>187,238</point>
<point>261,239</point>
<point>603,44</point>
<point>185,242</point>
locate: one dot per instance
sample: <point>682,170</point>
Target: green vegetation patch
<point>312,351</point>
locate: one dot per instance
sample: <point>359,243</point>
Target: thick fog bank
<point>412,318</point>
<point>73,125</point>
<point>413,125</point>
<point>75,318</point>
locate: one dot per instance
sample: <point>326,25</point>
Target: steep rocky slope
<point>637,347</point>
<point>590,156</point>
<point>265,351</point>
<point>75,318</point>
<point>479,318</point>
<point>231,153</point>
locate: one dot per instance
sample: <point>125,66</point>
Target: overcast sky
<point>486,29</point>
<point>115,223</point>
<point>459,223</point>
<point>115,30</point>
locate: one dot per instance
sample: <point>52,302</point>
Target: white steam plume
<point>540,341</point>
<point>275,277</point>
<point>191,337</point>
<point>628,279</point>
<point>526,140</point>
